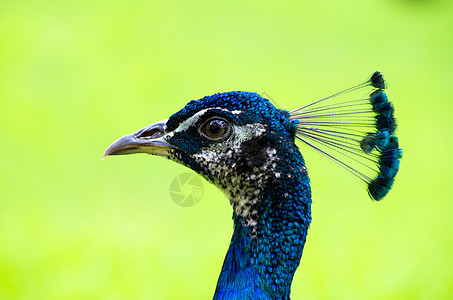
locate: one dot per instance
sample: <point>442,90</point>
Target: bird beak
<point>150,139</point>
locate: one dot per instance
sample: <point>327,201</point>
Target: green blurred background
<point>75,75</point>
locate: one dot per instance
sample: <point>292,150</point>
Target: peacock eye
<point>216,129</point>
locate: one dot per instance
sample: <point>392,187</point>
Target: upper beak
<point>147,140</point>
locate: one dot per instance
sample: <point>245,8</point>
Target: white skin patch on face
<point>240,135</point>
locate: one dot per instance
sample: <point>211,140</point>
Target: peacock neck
<point>264,253</point>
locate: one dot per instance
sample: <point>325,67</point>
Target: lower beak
<point>150,139</point>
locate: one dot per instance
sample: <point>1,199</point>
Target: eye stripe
<point>194,119</point>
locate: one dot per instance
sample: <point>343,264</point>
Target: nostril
<point>151,133</point>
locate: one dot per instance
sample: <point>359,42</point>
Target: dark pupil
<point>216,128</point>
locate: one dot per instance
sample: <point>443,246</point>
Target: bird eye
<point>216,129</point>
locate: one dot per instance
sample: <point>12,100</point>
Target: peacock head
<point>232,139</point>
<point>236,139</point>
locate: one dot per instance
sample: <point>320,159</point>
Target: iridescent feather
<point>356,131</point>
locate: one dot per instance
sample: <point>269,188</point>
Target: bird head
<point>232,139</point>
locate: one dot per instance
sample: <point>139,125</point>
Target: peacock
<point>243,144</point>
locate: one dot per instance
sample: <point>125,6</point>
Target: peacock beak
<point>150,139</point>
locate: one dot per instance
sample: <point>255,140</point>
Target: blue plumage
<point>262,257</point>
<point>245,146</point>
